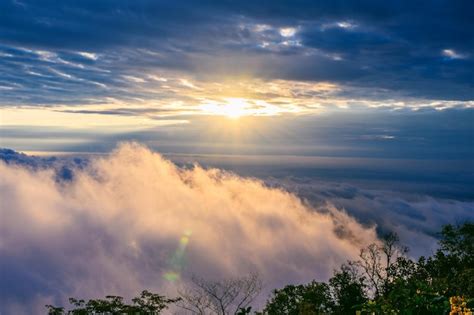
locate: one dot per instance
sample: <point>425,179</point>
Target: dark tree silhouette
<point>313,298</point>
<point>146,303</point>
<point>225,297</point>
<point>377,259</point>
<point>348,289</point>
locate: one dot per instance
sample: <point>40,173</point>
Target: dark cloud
<point>394,45</point>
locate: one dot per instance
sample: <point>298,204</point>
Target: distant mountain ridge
<point>63,166</point>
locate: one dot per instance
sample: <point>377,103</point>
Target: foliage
<point>146,303</point>
<point>348,288</point>
<point>386,281</point>
<point>425,286</point>
<point>459,306</point>
<point>451,269</point>
<point>312,298</point>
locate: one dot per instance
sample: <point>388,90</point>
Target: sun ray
<point>230,107</point>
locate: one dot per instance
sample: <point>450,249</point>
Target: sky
<point>156,62</point>
<point>93,69</point>
<point>355,114</point>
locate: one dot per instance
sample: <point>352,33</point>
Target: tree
<point>409,292</point>
<point>313,298</point>
<point>146,303</point>
<point>377,259</point>
<point>231,296</point>
<point>425,286</point>
<point>451,269</point>
<point>348,289</point>
<point>458,240</point>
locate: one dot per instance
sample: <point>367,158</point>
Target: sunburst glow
<point>232,108</point>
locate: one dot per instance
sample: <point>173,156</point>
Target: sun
<point>231,107</point>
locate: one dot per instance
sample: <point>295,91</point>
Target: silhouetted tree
<point>377,259</point>
<point>451,269</point>
<point>348,288</point>
<point>225,297</point>
<point>426,286</point>
<point>146,303</point>
<point>409,291</point>
<point>313,298</point>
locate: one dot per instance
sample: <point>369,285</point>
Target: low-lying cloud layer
<point>133,220</point>
<point>416,216</point>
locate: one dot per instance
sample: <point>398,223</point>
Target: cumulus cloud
<point>134,220</point>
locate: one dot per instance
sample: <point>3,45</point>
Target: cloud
<point>391,46</point>
<point>88,55</point>
<point>288,31</point>
<point>415,215</point>
<point>452,54</point>
<point>116,225</point>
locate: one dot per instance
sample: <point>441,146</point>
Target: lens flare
<point>177,261</point>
